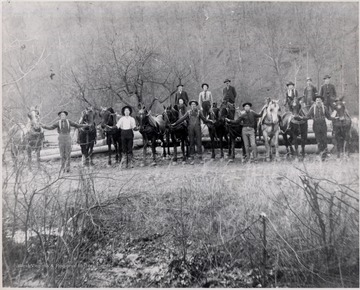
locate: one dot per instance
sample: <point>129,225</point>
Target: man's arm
<point>51,127</point>
<point>76,125</point>
<point>234,92</point>
<point>182,119</point>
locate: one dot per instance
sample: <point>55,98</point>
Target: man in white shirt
<point>127,124</point>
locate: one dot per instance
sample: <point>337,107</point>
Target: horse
<point>87,136</point>
<point>151,128</point>
<point>341,126</point>
<point>270,128</point>
<point>219,130</point>
<point>294,128</point>
<point>29,138</point>
<point>180,132</point>
<point>234,130</point>
<point>112,133</point>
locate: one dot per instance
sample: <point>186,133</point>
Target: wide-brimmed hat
<point>227,81</point>
<point>318,96</point>
<point>126,107</point>
<point>193,101</point>
<point>66,113</point>
<point>308,79</point>
<point>202,86</point>
<point>247,103</point>
<point>179,85</point>
<point>327,77</point>
<point>290,83</point>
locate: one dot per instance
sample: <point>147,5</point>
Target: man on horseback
<point>205,100</point>
<point>181,95</point>
<point>248,119</point>
<point>229,96</point>
<point>63,128</point>
<point>291,93</point>
<point>310,92</point>
<point>193,116</point>
<point>127,124</point>
<point>328,93</point>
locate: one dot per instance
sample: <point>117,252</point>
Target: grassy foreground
<point>183,225</point>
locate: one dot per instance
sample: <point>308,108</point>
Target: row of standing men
<point>127,123</point>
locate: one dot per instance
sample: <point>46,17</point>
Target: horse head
<point>34,118</point>
<point>170,115</point>
<point>295,106</point>
<point>272,111</point>
<point>88,116</point>
<point>223,111</point>
<point>142,116</point>
<point>339,107</point>
<point>108,117</point>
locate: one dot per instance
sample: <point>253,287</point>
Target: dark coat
<point>328,93</point>
<point>288,99</point>
<point>183,96</point>
<point>229,94</point>
<point>309,100</point>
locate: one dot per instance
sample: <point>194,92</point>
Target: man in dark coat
<point>310,93</point>
<point>291,93</point>
<point>328,93</point>
<point>193,117</point>
<point>229,96</point>
<point>318,112</point>
<point>181,95</point>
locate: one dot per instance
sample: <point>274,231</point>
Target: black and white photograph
<point>180,144</point>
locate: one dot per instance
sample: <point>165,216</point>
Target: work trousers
<point>248,136</point>
<point>65,150</point>
<point>195,139</point>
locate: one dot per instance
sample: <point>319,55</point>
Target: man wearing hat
<point>127,124</point>
<point>205,100</point>
<point>248,119</point>
<point>194,115</point>
<point>328,92</point>
<point>63,128</point>
<point>318,112</point>
<point>310,92</point>
<point>229,96</point>
<point>181,97</point>
<point>291,93</point>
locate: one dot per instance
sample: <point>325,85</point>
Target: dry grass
<point>212,210</point>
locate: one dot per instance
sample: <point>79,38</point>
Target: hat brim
<point>126,107</point>
<point>227,81</point>
<point>204,84</point>
<point>197,104</point>
<point>320,97</point>
<point>66,113</point>
<point>179,85</point>
<point>290,84</point>
<point>250,104</point>
<point>327,77</point>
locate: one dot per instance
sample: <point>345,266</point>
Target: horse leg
<point>267,146</point>
<point>145,144</point>
<point>108,141</point>
<point>153,149</point>
<point>168,141</point>
<point>183,141</point>
<point>38,156</point>
<point>212,137</point>
<point>221,147</point>
<point>276,144</point>
<point>174,141</point>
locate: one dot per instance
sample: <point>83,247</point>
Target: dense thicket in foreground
<point>204,228</point>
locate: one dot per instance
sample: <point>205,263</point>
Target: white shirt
<point>126,123</point>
